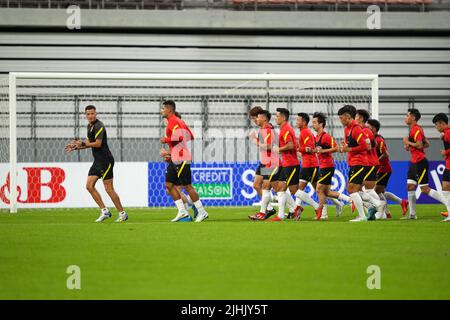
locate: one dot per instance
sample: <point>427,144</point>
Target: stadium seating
<point>312,2</point>
<point>221,4</point>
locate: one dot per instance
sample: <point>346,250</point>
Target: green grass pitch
<point>226,257</point>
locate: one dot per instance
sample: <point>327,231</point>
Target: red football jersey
<point>372,157</point>
<point>307,139</point>
<point>266,135</point>
<point>416,134</point>
<point>288,158</point>
<point>177,134</point>
<point>355,138</point>
<point>385,163</point>
<point>325,141</point>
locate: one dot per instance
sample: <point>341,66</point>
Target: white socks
<point>344,197</point>
<point>269,205</point>
<point>356,198</point>
<point>180,205</point>
<point>393,197</point>
<point>199,206</point>
<point>373,194</point>
<point>282,195</point>
<point>366,196</point>
<point>105,210</point>
<point>265,199</point>
<point>436,196</point>
<point>290,203</point>
<point>336,201</point>
<point>412,202</point>
<point>303,196</point>
<point>441,197</point>
<point>446,196</point>
<point>324,211</point>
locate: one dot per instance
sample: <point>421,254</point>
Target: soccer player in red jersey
<point>385,169</point>
<point>310,164</point>
<point>370,172</point>
<point>416,143</point>
<point>441,123</point>
<point>325,146</point>
<point>178,170</point>
<point>258,178</point>
<point>165,154</point>
<point>269,167</point>
<point>355,146</point>
<point>289,173</point>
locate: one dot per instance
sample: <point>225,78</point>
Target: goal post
<point>208,95</point>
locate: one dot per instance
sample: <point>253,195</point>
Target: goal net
<point>49,113</point>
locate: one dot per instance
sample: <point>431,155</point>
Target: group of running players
<point>367,158</point>
<point>280,169</point>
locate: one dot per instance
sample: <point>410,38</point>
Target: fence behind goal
<point>50,113</point>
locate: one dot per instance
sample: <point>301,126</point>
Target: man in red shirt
<point>385,169</point>
<point>441,123</point>
<point>370,172</point>
<point>355,146</point>
<point>165,154</point>
<point>269,168</point>
<point>178,170</point>
<point>310,164</point>
<point>325,146</point>
<point>258,178</point>
<point>289,173</point>
<point>415,143</point>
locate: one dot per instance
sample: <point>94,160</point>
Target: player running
<point>310,165</point>
<point>355,146</point>
<point>179,168</point>
<point>259,178</point>
<point>103,164</point>
<point>289,173</point>
<point>384,170</point>
<point>325,146</point>
<point>368,193</point>
<point>269,167</point>
<point>416,143</point>
<point>441,123</point>
<point>165,154</point>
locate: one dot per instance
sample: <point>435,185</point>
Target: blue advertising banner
<point>231,184</point>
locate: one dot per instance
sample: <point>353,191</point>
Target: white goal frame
<point>13,76</point>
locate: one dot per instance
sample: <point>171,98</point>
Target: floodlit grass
<point>225,257</point>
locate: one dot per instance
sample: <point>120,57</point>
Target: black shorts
<point>326,176</point>
<point>446,176</point>
<point>370,173</point>
<point>179,174</point>
<point>419,172</point>
<point>102,169</point>
<point>383,178</point>
<point>309,174</point>
<point>271,174</point>
<point>290,175</point>
<point>356,174</point>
